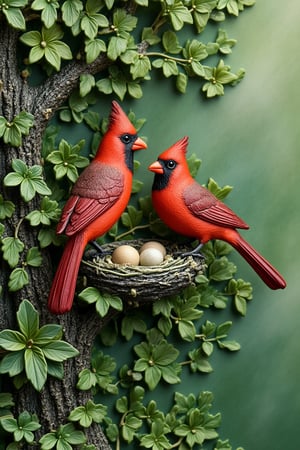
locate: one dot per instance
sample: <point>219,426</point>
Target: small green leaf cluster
<point>33,353</point>
<point>65,437</point>
<point>222,285</point>
<point>99,375</point>
<point>29,179</point>
<point>13,131</point>
<point>30,182</point>
<point>22,429</point>
<point>86,414</point>
<point>12,11</point>
<point>103,301</point>
<point>66,160</point>
<point>11,249</point>
<point>157,360</point>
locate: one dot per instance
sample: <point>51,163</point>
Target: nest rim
<point>143,283</point>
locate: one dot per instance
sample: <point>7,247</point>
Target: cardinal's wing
<point>204,205</point>
<point>97,189</point>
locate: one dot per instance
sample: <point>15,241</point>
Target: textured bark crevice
<point>57,399</point>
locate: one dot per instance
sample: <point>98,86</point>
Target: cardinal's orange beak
<point>156,167</point>
<point>139,144</point>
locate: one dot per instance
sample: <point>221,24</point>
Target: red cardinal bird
<point>97,200</point>
<point>192,210</point>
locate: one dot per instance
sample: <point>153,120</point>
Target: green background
<point>249,139</point>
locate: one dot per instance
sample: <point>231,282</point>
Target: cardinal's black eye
<point>126,138</point>
<point>171,164</point>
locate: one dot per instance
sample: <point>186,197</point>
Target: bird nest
<point>141,283</point>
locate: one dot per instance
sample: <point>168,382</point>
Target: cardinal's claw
<point>194,252</point>
<point>99,248</point>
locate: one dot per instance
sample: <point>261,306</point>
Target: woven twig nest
<point>141,283</point>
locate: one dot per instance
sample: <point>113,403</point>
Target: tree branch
<point>57,88</point>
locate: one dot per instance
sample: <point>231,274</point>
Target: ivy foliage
<point>13,131</point>
<point>107,29</point>
<point>33,352</point>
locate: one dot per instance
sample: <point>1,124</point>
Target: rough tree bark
<point>57,398</point>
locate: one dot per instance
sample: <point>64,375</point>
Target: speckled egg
<point>154,244</point>
<point>126,254</point>
<point>151,257</point>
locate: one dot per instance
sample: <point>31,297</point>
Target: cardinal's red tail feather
<point>262,267</point>
<point>64,283</point>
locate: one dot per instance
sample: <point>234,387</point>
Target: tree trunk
<point>58,398</point>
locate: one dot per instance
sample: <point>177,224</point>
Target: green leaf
<point>87,414</point>
<point>181,82</point>
<point>34,257</point>
<point>86,380</point>
<point>170,373</point>
<point>12,135</point>
<point>11,248</point>
<point>201,12</point>
<point>36,54</point>
<point>187,330</point>
<point>6,400</point>
<point>152,376</point>
<point>59,351</point>
<point>48,211</point>
<point>225,44</point>
<point>169,68</point>
<point>132,217</point>
<point>27,189</point>
<point>131,323</point>
<point>124,22</point>
<point>48,333</point>
<point>170,42</point>
<point>13,363</point>
<point>199,363</point>
<point>93,48</point>
<point>12,341</point>
<point>221,269</point>
<point>219,192</point>
<point>87,82</point>
<point>55,369</point>
<point>18,279</point>
<point>90,295</point>
<point>222,330</point>
<point>149,36</point>
<point>240,305</point>
<point>141,67</point>
<point>194,164</point>
<point>116,46</point>
<point>242,292</point>
<point>35,367</point>
<point>104,85</point>
<point>10,425</point>
<point>71,435</point>
<point>71,11</point>
<point>119,87</point>
<point>14,17</point>
<point>28,319</point>
<point>179,14</point>
<point>135,91</point>
<point>49,11</point>
<point>207,348</point>
<point>232,346</point>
